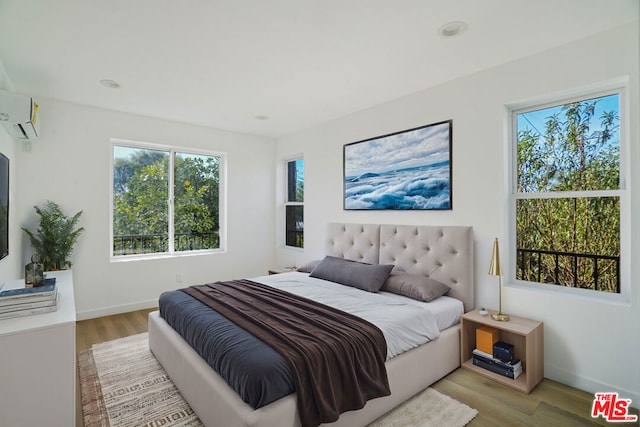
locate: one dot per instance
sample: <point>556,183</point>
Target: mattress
<point>254,370</point>
<point>447,310</point>
<point>259,374</point>
<point>405,323</point>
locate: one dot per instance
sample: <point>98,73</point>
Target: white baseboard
<point>118,309</point>
<point>588,384</point>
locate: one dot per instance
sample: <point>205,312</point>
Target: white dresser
<point>38,363</point>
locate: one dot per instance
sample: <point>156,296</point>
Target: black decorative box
<point>503,351</point>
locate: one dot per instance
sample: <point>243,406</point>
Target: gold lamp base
<point>495,270</point>
<point>500,316</point>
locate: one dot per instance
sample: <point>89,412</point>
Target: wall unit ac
<point>18,115</point>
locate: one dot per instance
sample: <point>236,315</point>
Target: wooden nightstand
<point>527,338</point>
<point>281,270</point>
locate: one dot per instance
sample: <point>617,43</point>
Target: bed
<point>442,253</point>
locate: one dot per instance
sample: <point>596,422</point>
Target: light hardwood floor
<point>549,404</point>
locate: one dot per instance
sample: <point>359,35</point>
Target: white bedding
<point>405,323</point>
<point>446,309</point>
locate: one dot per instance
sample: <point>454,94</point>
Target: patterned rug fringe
<point>93,408</point>
<point>122,385</point>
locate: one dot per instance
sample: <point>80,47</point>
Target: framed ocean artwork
<point>407,170</point>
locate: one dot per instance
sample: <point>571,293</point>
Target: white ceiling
<point>223,63</point>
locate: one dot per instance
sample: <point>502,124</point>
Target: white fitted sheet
<point>405,323</point>
<point>446,309</point>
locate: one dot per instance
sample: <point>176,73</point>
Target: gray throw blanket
<point>337,358</point>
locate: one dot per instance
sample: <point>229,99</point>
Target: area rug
<point>123,385</point>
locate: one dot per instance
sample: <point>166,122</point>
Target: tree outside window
<point>567,194</point>
<point>294,206</point>
<point>164,201</point>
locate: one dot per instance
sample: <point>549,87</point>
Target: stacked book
<point>28,301</point>
<point>511,369</point>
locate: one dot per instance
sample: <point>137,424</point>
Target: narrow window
<point>294,206</point>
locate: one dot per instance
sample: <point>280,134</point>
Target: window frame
<point>619,87</point>
<point>171,150</point>
<point>288,203</point>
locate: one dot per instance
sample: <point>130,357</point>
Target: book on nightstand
<point>512,369</point>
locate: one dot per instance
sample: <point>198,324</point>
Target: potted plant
<point>55,237</point>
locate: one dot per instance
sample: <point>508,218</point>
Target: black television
<point>4,206</point>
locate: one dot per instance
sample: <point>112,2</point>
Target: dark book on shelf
<point>505,372</point>
<point>499,368</point>
<point>513,363</point>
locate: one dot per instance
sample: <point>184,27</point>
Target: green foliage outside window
<point>568,208</point>
<point>294,209</point>
<point>141,201</point>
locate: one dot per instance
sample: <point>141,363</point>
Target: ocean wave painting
<point>405,170</point>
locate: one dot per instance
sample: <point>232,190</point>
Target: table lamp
<point>495,270</point>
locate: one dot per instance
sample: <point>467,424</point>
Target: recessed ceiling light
<point>452,29</point>
<point>261,117</point>
<point>111,84</point>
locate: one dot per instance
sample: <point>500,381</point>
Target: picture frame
<point>406,170</point>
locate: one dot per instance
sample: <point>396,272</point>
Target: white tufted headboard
<point>442,253</point>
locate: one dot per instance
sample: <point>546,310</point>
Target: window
<point>294,205</point>
<point>567,193</point>
<point>165,201</point>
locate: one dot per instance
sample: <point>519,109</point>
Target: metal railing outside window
<point>597,272</point>
<point>136,244</point>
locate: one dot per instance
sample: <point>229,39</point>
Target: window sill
<point>622,299</point>
<point>149,257</point>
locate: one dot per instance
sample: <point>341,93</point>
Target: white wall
<point>589,344</point>
<point>69,164</point>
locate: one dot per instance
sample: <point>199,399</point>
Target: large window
<point>294,205</point>
<point>567,193</point>
<point>165,201</point>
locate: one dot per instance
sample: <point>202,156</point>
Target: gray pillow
<point>368,277</point>
<point>309,266</point>
<point>415,286</point>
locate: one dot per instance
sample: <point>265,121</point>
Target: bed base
<point>217,404</point>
